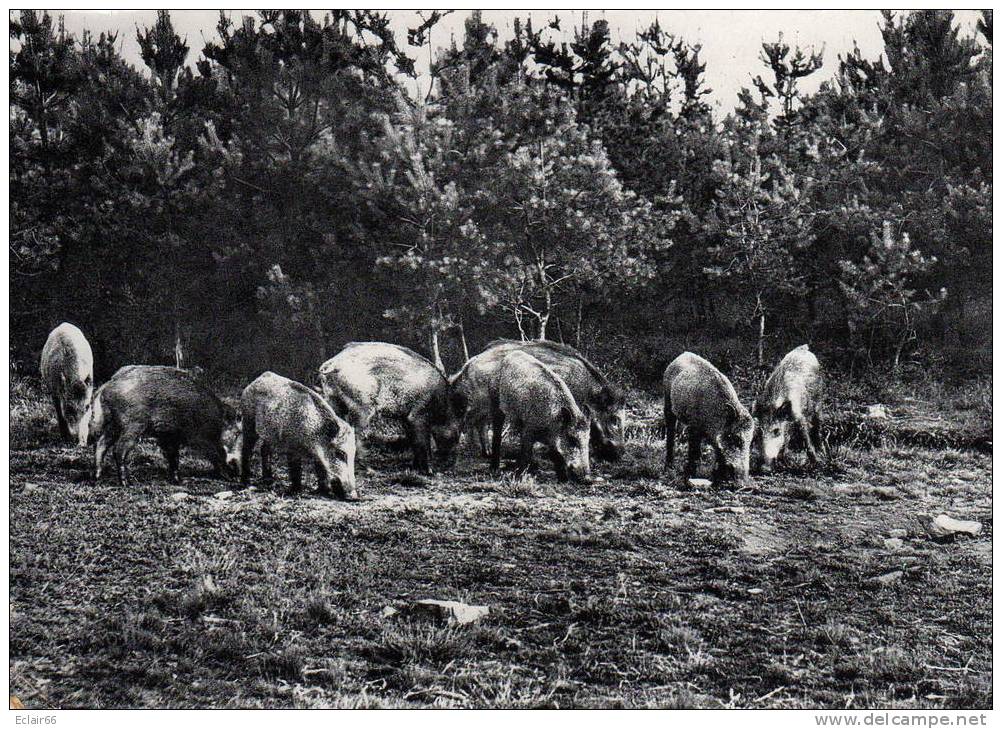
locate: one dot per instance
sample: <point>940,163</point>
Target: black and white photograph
<point>501,359</point>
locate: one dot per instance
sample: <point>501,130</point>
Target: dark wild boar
<point>701,397</point>
<point>67,369</point>
<point>291,419</point>
<point>791,397</point>
<point>541,409</point>
<point>167,404</point>
<point>601,402</point>
<point>366,378</point>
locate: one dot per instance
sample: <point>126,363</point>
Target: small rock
<point>700,482</point>
<point>755,591</point>
<point>878,412</point>
<point>944,526</point>
<point>223,494</point>
<point>178,496</point>
<point>29,488</point>
<point>389,612</point>
<point>451,611</point>
<point>888,578</point>
<point>893,544</point>
<point>726,509</point>
<point>898,534</point>
<point>887,493</point>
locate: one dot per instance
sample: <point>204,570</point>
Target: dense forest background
<point>289,193</point>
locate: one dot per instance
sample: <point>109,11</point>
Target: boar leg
<point>481,431</point>
<point>122,450</point>
<point>695,447</point>
<point>526,464</point>
<point>171,447</point>
<point>420,437</point>
<point>100,450</point>
<point>266,473</point>
<point>64,429</point>
<point>247,450</point>
<point>322,469</point>
<point>559,466</point>
<point>816,431</point>
<point>498,426</point>
<point>295,475</point>
<point>670,423</point>
<point>805,433</point>
<point>325,476</point>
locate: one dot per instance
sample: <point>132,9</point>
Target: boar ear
<point>566,416</point>
<point>735,413</point>
<point>785,410</point>
<point>332,429</point>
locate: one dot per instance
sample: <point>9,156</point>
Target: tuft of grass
<point>32,419</point>
<point>406,642</point>
<point>205,596</point>
<point>287,664</point>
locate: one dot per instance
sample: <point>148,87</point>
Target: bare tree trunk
<point>178,346</point>
<point>462,341</point>
<point>577,329</point>
<point>544,315</point>
<point>436,355</point>
<point>518,320</point>
<point>761,330</point>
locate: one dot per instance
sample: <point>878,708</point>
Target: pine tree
<point>880,293</point>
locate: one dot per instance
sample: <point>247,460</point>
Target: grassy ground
<point>632,591</point>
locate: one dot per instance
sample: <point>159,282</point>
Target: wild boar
<point>791,396</point>
<point>542,409</point>
<point>167,404</point>
<point>701,397</point>
<point>290,418</point>
<point>601,402</point>
<point>67,369</point>
<point>366,378</point>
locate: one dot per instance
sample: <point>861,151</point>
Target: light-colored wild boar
<point>290,418</point>
<point>701,397</point>
<point>67,369</point>
<point>542,409</point>
<point>170,405</point>
<point>366,378</point>
<point>791,397</point>
<point>601,401</point>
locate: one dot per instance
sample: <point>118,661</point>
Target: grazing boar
<point>170,405</point>
<point>791,396</point>
<point>701,397</point>
<point>290,418</point>
<point>542,409</point>
<point>366,378</point>
<point>67,369</point>
<point>601,402</point>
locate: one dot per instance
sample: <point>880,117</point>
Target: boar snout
<point>344,489</point>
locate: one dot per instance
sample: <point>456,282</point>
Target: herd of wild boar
<point>547,393</point>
